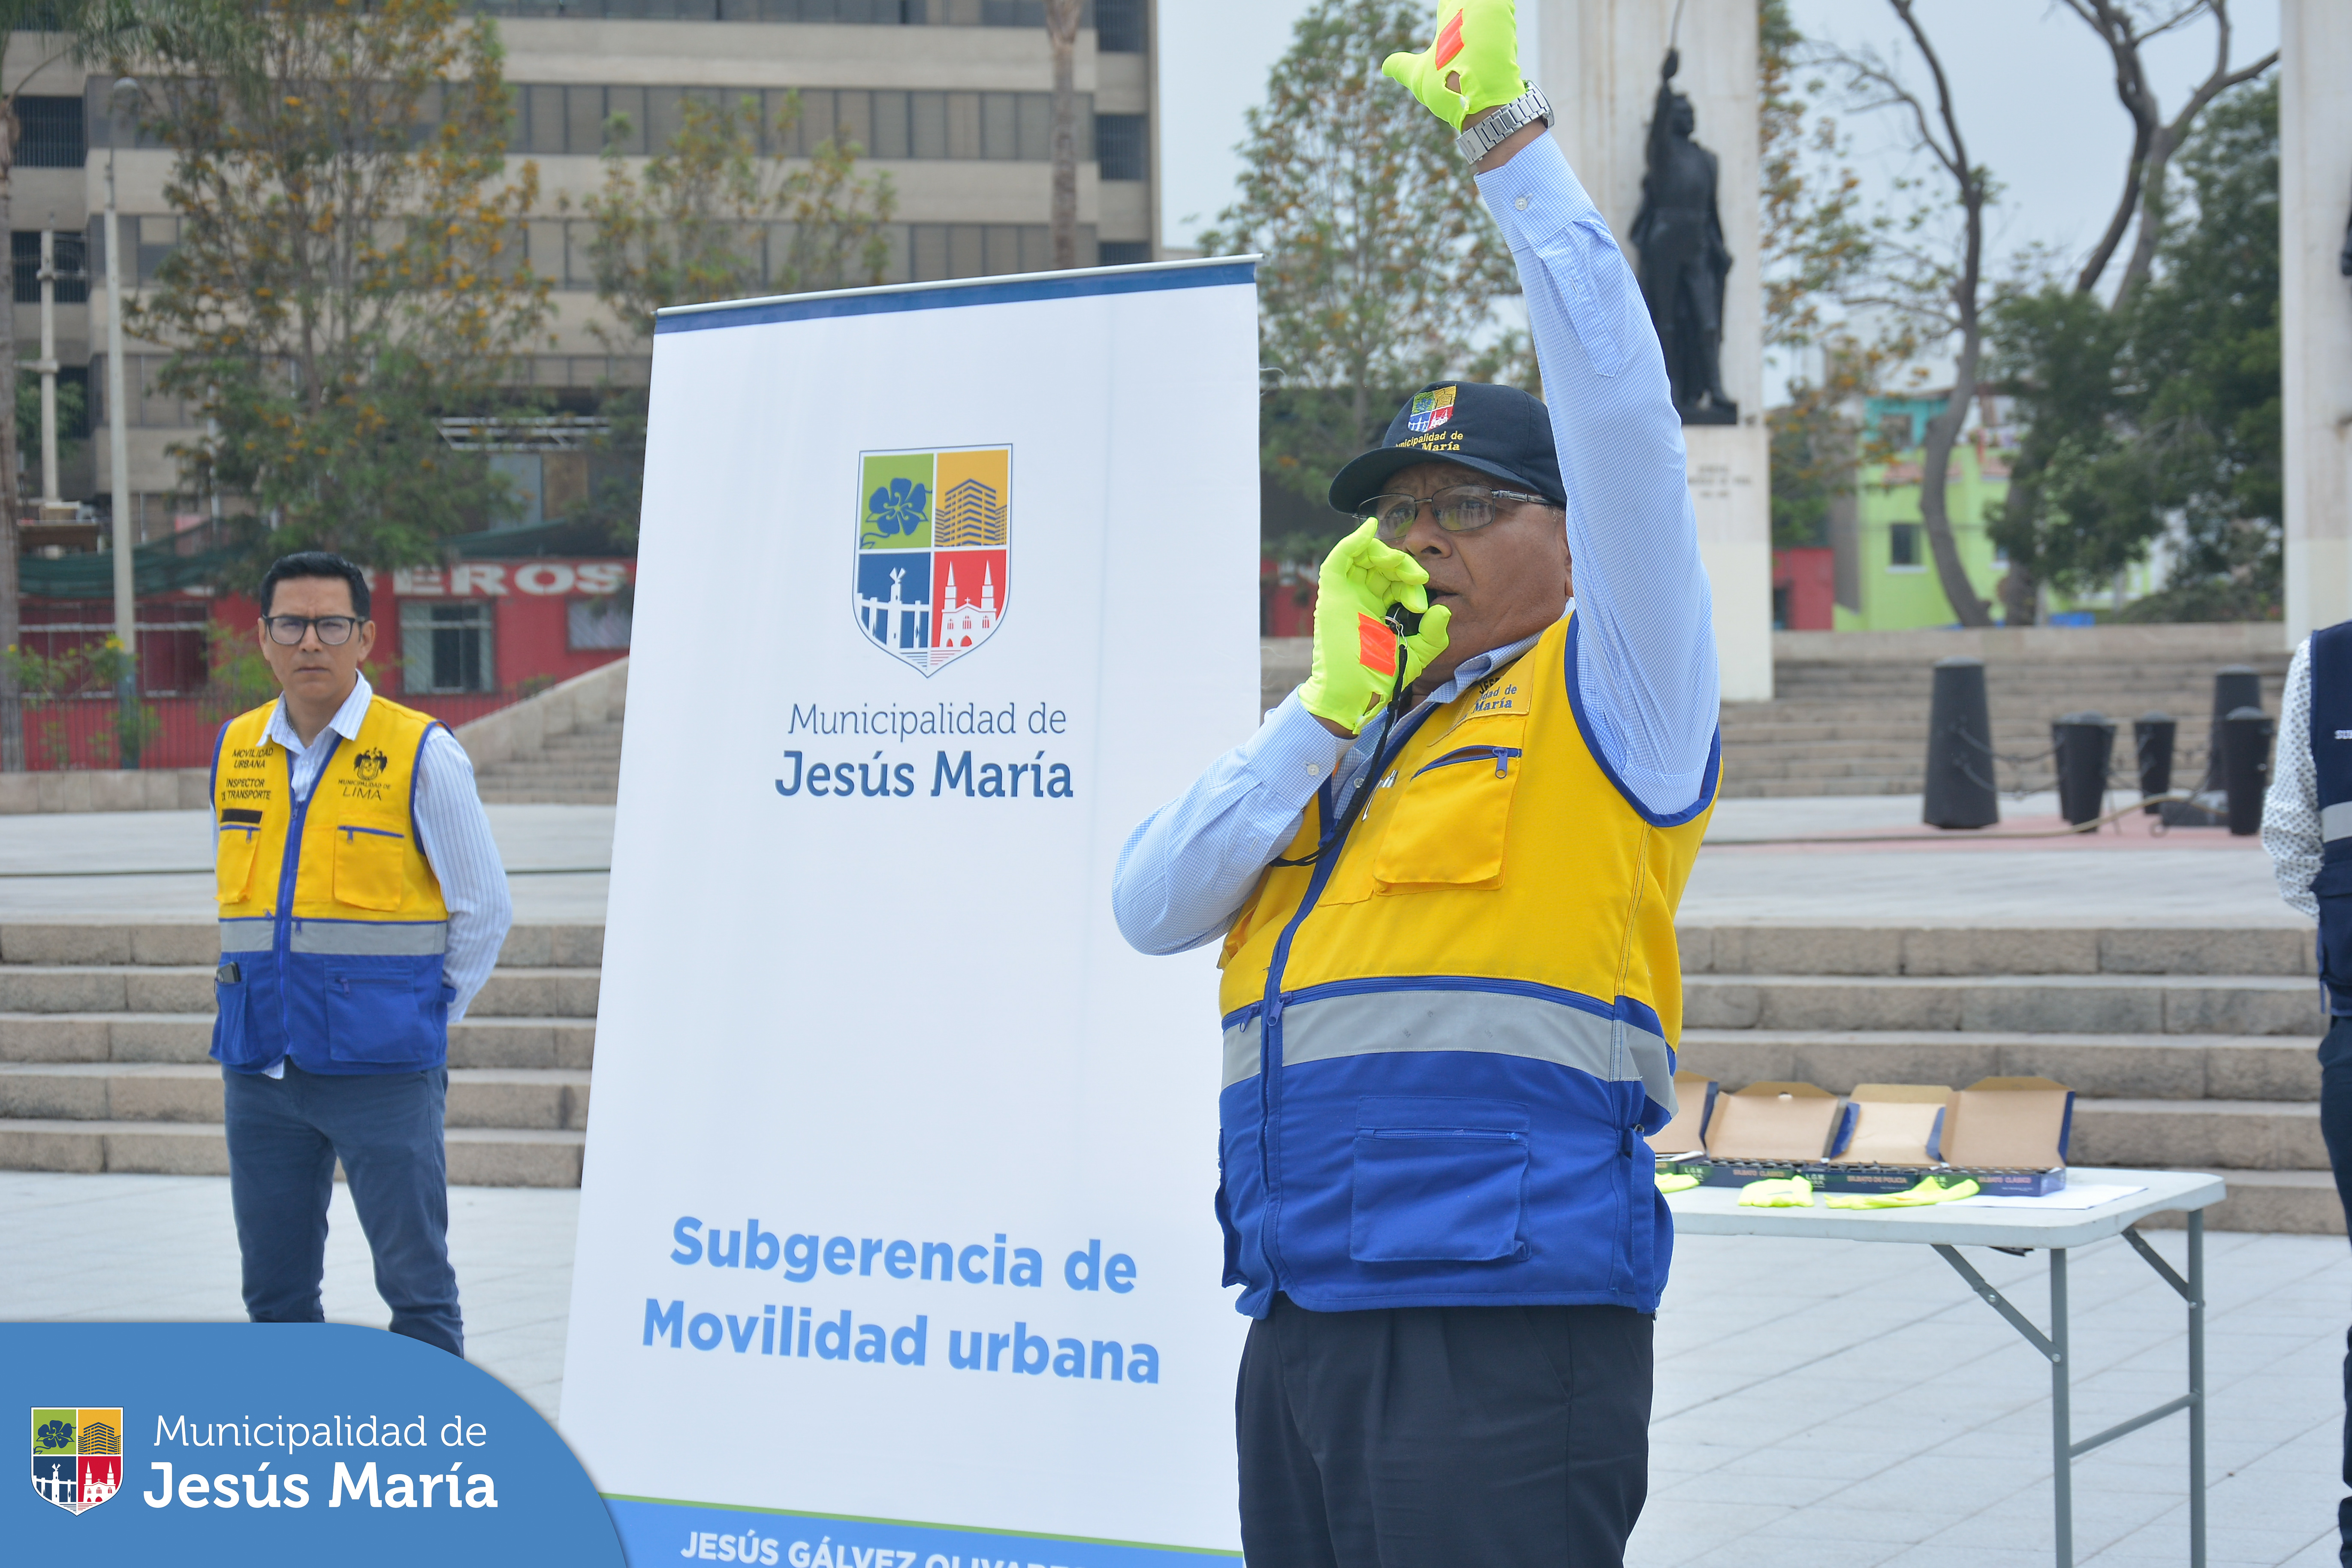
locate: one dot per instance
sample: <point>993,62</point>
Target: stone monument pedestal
<point>1598,61</point>
<point>2316,306</point>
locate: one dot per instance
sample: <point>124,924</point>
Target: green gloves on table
<point>1676,1184</point>
<point>1778,1192</point>
<point>1477,47</point>
<point>1931,1189</point>
<point>1355,652</point>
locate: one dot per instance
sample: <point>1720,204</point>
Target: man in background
<point>362,904</point>
<point>2307,829</point>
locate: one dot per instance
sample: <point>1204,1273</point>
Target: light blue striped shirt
<point>452,830</point>
<point>1646,661</point>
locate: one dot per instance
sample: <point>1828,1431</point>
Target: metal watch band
<point>1490,132</point>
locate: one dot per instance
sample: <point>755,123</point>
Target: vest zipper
<point>1502,756</point>
<point>282,939</point>
<point>1270,1035</point>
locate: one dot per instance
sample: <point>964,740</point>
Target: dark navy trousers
<point>284,1137</point>
<point>1439,1436</point>
<point>2336,1127</point>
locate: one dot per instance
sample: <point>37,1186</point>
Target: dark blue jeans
<point>2336,1127</point>
<point>284,1136</point>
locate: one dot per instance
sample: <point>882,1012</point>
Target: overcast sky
<point>2034,86</point>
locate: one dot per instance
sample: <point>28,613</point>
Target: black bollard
<point>2246,766</point>
<point>2082,744</point>
<point>2152,735</point>
<point>1959,748</point>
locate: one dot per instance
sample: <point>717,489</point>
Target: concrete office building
<point>953,99</point>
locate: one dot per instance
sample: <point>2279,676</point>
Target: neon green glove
<point>1778,1192</point>
<point>1931,1189</point>
<point>1473,65</point>
<point>1676,1184</point>
<point>1355,651</point>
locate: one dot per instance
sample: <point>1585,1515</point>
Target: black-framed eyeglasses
<point>288,631</point>
<point>1463,509</point>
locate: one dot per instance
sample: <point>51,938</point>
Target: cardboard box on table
<point>1681,1145</point>
<point>2007,1134</point>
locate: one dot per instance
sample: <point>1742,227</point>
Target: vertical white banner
<point>895,1235</point>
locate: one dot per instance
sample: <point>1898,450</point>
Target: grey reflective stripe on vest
<point>1494,1022</point>
<point>400,939</point>
<point>2336,821</point>
<point>248,935</point>
<point>1241,1051</point>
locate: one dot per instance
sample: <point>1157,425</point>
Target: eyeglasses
<point>1461,509</point>
<point>288,631</point>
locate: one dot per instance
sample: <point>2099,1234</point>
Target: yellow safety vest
<point>1444,1037</point>
<point>332,923</point>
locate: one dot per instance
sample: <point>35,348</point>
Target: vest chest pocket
<point>1450,820</point>
<point>232,850</point>
<point>369,862</point>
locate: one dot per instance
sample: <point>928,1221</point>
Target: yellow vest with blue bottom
<point>332,923</point>
<point>1444,1039</point>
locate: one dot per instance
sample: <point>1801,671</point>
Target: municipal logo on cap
<point>933,551</point>
<point>76,1456</point>
<point>1430,410</point>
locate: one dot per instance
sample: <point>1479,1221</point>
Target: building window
<point>1903,546</point>
<point>578,121</point>
<point>595,624</point>
<point>1120,27</point>
<point>49,133</point>
<point>1122,146</point>
<point>24,255</point>
<point>1124,252</point>
<point>445,648</point>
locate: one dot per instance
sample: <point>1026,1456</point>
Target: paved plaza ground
<point>1819,1403</point>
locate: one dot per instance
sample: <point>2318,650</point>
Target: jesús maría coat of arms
<point>934,532</point>
<point>76,1456</point>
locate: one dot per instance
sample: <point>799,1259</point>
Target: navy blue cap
<point>1497,430</point>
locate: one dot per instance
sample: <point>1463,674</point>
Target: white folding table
<point>1948,1227</point>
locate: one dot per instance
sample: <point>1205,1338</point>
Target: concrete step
<point>1735,788</point>
<point>2049,1003</point>
<point>2015,950</point>
<point>77,942</point>
<point>2170,1067</point>
<point>2200,1134</point>
<point>2300,1203</point>
<point>521,992</point>
<point>521,1042</point>
<point>478,1156</point>
<point>550,795</point>
<point>541,1098</point>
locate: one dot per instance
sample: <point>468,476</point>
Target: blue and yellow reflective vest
<point>332,924</point>
<point>1444,1039</point>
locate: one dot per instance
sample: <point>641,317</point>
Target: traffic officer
<point>1444,873</point>
<point>2307,829</point>
<point>361,906</point>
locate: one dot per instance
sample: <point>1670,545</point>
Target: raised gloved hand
<point>1355,651</point>
<point>1473,65</point>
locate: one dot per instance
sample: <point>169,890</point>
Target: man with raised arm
<point>1444,874</point>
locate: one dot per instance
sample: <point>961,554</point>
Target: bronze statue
<point>1678,239</point>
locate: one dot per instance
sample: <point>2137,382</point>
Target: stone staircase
<point>561,747</point>
<point>103,1031</point>
<point>2187,1050</point>
<point>1850,712</point>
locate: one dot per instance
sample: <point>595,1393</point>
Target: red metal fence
<point>87,731</point>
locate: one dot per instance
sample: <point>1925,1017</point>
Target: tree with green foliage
<point>348,270</point>
<point>2166,406</point>
<point>1382,269</point>
<point>705,218</point>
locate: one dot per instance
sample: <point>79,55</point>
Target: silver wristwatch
<point>1489,133</point>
